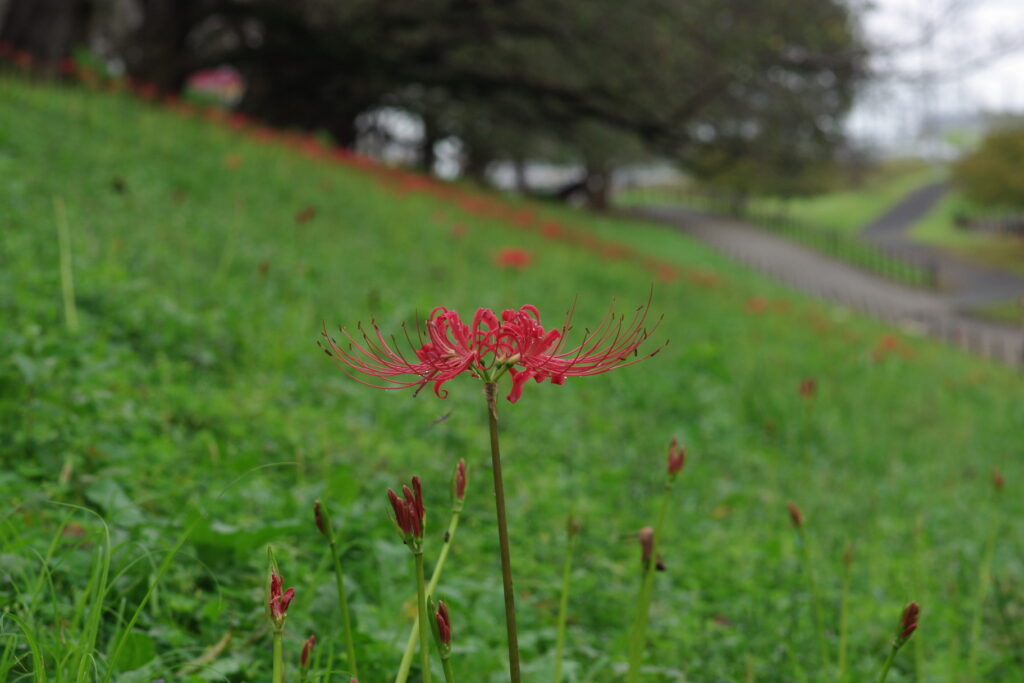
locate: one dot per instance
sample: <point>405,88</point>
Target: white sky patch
<point>939,59</point>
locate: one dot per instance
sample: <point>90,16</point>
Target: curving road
<point>935,313</point>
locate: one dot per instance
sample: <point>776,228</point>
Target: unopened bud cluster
<point>409,514</point>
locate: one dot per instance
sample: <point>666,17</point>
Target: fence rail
<point>840,245</point>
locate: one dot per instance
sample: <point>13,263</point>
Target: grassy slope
<point>194,385</point>
<point>939,228</point>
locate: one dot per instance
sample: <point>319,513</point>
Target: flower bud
<point>278,601</point>
<point>908,623</point>
<point>319,516</point>
<point>307,650</point>
<point>809,387</point>
<point>459,484</point>
<point>997,480</point>
<point>676,458</point>
<point>409,514</point>
<point>795,515</point>
<point>444,624</point>
<point>646,536</point>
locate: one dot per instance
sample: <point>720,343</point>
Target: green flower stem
<point>278,656</point>
<point>449,675</point>
<point>490,390</point>
<point>638,637</point>
<point>888,664</point>
<point>421,598</point>
<point>819,622</point>
<point>435,578</point>
<point>563,605</point>
<point>343,605</point>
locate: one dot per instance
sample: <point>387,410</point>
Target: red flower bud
<point>318,517</point>
<point>997,480</point>
<point>908,622</point>
<point>279,601</point>
<point>676,458</point>
<point>409,512</point>
<point>307,650</point>
<point>646,536</point>
<point>795,515</point>
<point>444,624</point>
<point>459,481</point>
<point>809,387</point>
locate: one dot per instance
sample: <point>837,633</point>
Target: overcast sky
<point>973,59</point>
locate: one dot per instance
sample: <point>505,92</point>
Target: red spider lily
<point>410,516</point>
<point>279,601</point>
<point>808,387</point>
<point>676,458</point>
<point>511,257</point>
<point>516,342</point>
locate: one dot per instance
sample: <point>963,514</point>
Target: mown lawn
<point>192,398</point>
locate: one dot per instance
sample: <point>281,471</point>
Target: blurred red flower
<point>512,257</point>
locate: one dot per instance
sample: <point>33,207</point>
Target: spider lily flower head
<point>491,345</point>
<point>908,624</point>
<point>998,482</point>
<point>459,482</point>
<point>307,650</point>
<point>409,514</point>
<point>278,601</point>
<point>676,459</point>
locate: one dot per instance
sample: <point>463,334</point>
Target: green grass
<point>939,228</point>
<point>192,393</point>
<point>846,209</point>
<point>849,210</point>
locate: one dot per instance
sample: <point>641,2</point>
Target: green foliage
<point>193,391</point>
<point>993,174</point>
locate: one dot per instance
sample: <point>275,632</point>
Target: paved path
<point>968,285</point>
<point>925,312</point>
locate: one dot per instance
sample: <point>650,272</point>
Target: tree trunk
<point>46,29</point>
<point>598,188</point>
<point>158,53</point>
<point>519,165</point>
<point>428,155</point>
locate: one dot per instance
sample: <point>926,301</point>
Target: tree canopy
<point>716,85</point>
